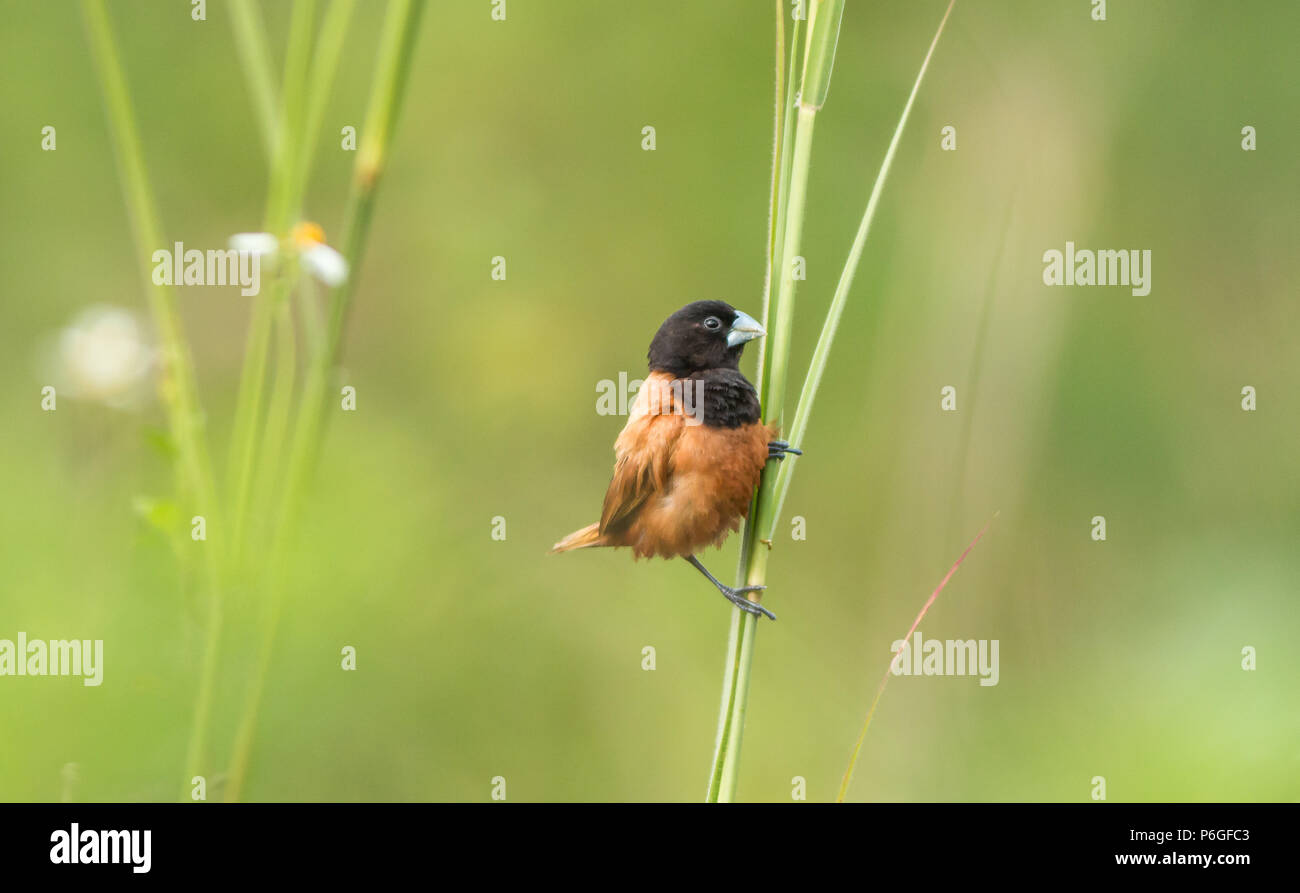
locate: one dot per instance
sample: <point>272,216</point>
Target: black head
<point>700,336</point>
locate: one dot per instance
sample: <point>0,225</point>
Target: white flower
<point>264,244</point>
<point>104,355</point>
<point>308,240</point>
<point>325,264</point>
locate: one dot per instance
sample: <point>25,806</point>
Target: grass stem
<point>255,59</point>
<point>740,646</point>
<point>280,209</point>
<point>392,70</point>
<point>821,353</point>
<point>178,389</point>
<point>893,662</point>
<point>824,19</point>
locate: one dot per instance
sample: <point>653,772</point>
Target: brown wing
<point>711,481</point>
<point>643,454</point>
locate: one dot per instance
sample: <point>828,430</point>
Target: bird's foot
<point>736,596</point>
<point>778,449</point>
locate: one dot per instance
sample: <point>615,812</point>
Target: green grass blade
<point>889,671</point>
<point>785,150</point>
<point>799,426</point>
<point>255,59</point>
<point>782,112</point>
<point>392,69</point>
<point>774,194</point>
<point>185,415</point>
<point>397,47</point>
<point>740,646</point>
<point>824,35</point>
<point>279,210</point>
<point>819,55</point>
<point>325,62</point>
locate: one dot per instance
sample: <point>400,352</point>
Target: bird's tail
<point>579,539</point>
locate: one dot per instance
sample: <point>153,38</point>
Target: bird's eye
<point>713,324</point>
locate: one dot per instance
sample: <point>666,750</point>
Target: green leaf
<point>823,37</point>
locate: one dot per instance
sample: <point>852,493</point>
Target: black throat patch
<point>727,398</point>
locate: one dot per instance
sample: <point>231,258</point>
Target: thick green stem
<point>774,202</point>
<point>779,334</point>
<point>819,55</point>
<point>784,125</point>
<point>724,775</point>
<point>782,131</point>
<point>740,651</point>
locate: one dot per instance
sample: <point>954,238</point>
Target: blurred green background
<point>476,398</point>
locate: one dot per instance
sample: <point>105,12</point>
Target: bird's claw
<point>736,596</point>
<point>778,449</point>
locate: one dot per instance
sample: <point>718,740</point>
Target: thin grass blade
<point>808,394</point>
<point>889,671</point>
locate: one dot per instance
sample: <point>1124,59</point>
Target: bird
<point>693,449</point>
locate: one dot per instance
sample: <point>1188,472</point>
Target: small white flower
<point>264,244</point>
<point>325,264</point>
<point>317,258</point>
<point>104,355</point>
<point>308,241</point>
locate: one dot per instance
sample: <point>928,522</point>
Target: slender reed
<point>255,59</point>
<point>396,49</point>
<point>290,125</point>
<point>819,53</point>
<point>269,461</point>
<point>397,45</point>
<point>821,353</point>
<point>178,389</point>
<point>819,57</point>
<point>279,211</point>
<point>893,662</point>
<point>783,112</point>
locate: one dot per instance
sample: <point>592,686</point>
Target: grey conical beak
<point>745,328</point>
